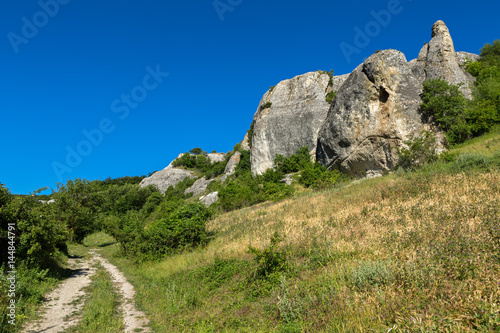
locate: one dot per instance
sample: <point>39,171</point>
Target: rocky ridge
<point>375,109</point>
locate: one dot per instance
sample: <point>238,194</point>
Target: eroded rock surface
<point>167,177</point>
<point>438,59</point>
<point>289,117</point>
<point>376,109</point>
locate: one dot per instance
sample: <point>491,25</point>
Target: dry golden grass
<point>356,217</point>
<point>413,252</point>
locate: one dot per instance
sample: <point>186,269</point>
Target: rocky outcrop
<point>462,57</point>
<point>438,59</point>
<point>376,109</point>
<point>199,186</point>
<point>232,163</point>
<point>216,157</point>
<point>210,198</point>
<point>289,117</point>
<point>287,180</point>
<point>245,144</point>
<point>167,177</point>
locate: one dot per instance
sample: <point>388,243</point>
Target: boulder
<point>167,177</point>
<point>210,198</point>
<point>287,180</point>
<point>376,109</point>
<point>289,117</point>
<point>199,186</point>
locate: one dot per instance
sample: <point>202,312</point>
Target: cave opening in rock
<point>383,95</point>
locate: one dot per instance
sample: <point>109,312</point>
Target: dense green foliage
<point>447,104</point>
<point>246,190</point>
<point>460,118</point>
<point>181,226</point>
<point>197,159</point>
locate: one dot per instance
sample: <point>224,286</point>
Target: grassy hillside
<point>411,252</point>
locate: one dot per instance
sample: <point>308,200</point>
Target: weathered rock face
<point>210,198</point>
<point>216,157</point>
<point>375,110</point>
<point>289,117</point>
<point>199,186</point>
<point>232,163</point>
<point>167,177</point>
<point>245,143</point>
<point>463,56</point>
<point>438,59</point>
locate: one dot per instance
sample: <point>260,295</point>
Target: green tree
<point>196,151</point>
<point>77,204</point>
<point>446,104</point>
<point>39,236</point>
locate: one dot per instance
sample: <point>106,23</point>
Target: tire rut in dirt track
<point>65,302</point>
<point>59,313</point>
<point>133,318</point>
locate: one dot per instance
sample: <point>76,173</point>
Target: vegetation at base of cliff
<point>414,251</point>
<point>460,118</point>
<point>418,152</point>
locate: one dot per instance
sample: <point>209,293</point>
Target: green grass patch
<point>100,313</point>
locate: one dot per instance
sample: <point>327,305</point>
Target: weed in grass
<point>289,308</point>
<point>369,274</point>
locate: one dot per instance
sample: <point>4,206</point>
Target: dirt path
<point>60,312</point>
<point>65,302</point>
<point>133,318</point>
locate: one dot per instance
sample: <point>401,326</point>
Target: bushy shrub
<point>418,151</point>
<point>250,134</point>
<point>152,202</point>
<point>244,165</point>
<point>271,259</point>
<point>330,96</point>
<point>447,105</point>
<point>185,228</point>
<point>77,206</point>
<point>134,198</point>
<point>187,160</point>
<point>296,162</point>
<point>267,105</point>
<point>38,235</point>
<point>317,176</point>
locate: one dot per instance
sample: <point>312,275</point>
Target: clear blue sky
<point>83,67</point>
